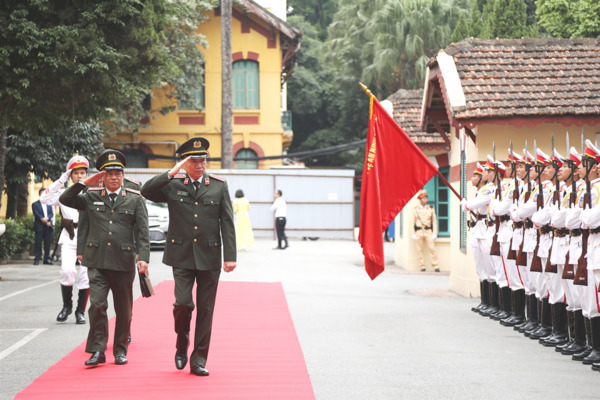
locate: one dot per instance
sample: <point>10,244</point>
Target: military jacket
<point>200,222</point>
<point>113,228</point>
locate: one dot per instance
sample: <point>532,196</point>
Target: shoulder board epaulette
<point>133,180</point>
<point>133,191</point>
<point>95,188</point>
<point>179,176</point>
<point>217,177</point>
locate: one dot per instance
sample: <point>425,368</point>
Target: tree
<point>568,19</point>
<point>226,87</point>
<point>476,26</point>
<point>40,153</point>
<point>508,19</point>
<point>318,12</point>
<point>461,31</point>
<point>62,62</point>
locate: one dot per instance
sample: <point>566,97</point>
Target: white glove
<point>414,237</point>
<point>65,177</point>
<point>433,237</point>
<point>463,205</point>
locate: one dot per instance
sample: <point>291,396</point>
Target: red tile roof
<point>407,113</point>
<point>528,77</point>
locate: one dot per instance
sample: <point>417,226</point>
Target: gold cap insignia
<point>197,144</point>
<point>112,157</point>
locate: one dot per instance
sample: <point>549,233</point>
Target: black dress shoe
<point>96,358</point>
<point>199,370</point>
<point>36,263</point>
<point>180,360</point>
<point>120,359</point>
<point>48,263</point>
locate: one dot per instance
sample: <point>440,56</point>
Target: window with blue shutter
<point>245,85</point>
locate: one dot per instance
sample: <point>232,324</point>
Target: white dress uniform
<point>480,238</point>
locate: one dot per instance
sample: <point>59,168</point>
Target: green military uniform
<point>84,223</point>
<point>200,228</point>
<point>117,231</point>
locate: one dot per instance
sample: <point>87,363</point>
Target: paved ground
<point>402,336</point>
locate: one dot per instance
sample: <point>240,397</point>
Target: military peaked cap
<point>195,147</point>
<point>111,159</point>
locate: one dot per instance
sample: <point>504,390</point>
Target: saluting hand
<point>177,167</point>
<point>94,180</point>
<point>229,266</point>
<point>142,267</point>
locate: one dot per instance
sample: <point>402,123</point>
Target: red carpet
<point>254,354</point>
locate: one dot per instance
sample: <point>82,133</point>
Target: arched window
<point>245,85</point>
<point>245,164</point>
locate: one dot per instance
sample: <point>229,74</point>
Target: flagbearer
<point>425,231</point>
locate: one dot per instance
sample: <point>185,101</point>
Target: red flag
<point>395,170</point>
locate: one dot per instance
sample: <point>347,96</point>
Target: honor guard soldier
<point>591,220</point>
<point>118,230</point>
<point>573,186</point>
<point>478,182</point>
<point>201,233</point>
<point>425,231</point>
<point>499,227</point>
<point>508,276</point>
<point>76,170</point>
<point>480,240</point>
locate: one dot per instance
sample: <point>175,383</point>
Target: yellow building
<point>263,54</point>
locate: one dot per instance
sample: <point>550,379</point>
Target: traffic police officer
<point>118,218</point>
<point>200,229</point>
<point>425,231</point>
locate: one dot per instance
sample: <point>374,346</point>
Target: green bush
<point>18,238</point>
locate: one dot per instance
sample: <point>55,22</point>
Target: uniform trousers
<point>68,268</point>
<point>556,291</point>
<point>541,287</point>
<point>424,239</point>
<point>590,304</point>
<point>280,228</point>
<point>206,293</point>
<point>120,284</point>
<point>483,260</point>
<point>572,295</point>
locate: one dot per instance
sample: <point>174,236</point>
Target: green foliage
<point>92,60</point>
<point>508,19</point>
<point>18,238</point>
<point>318,13</point>
<point>569,19</point>
<point>461,31</point>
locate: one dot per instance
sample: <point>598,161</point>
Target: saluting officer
<point>200,229</point>
<point>117,218</point>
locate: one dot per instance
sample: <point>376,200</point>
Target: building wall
<point>259,129</point>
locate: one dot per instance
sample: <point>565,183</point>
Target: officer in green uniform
<point>118,230</point>
<point>200,229</point>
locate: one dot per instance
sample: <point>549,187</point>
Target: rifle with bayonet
<point>536,263</point>
<point>495,248</point>
<point>581,270</point>
<point>569,271</point>
<point>512,254</point>
<point>521,255</point>
<point>549,267</point>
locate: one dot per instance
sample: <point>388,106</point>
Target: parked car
<point>158,222</point>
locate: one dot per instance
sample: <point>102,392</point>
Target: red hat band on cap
<point>592,154</point>
<point>575,159</point>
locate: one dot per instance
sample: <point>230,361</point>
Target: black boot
<point>545,327</point>
<point>518,315</point>
<point>528,307</point>
<point>594,356</point>
<point>506,301</point>
<point>588,348</point>
<point>501,313</point>
<point>82,299</point>
<point>67,296</point>
<point>481,304</point>
<point>571,328</point>
<point>537,305</point>
<point>560,326</point>
<point>578,344</point>
<point>494,300</point>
